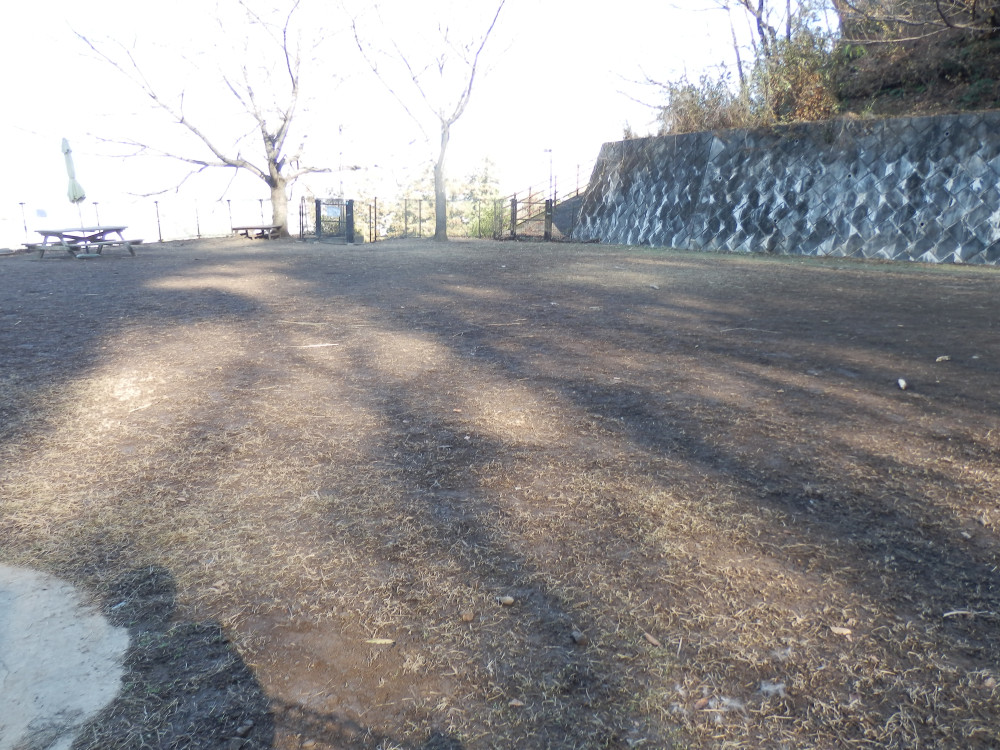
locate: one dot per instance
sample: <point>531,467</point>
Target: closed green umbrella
<point>76,193</point>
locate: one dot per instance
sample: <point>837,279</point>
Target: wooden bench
<point>259,231</point>
<point>41,247</point>
<point>82,248</point>
<point>99,245</point>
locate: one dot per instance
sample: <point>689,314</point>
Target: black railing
<point>537,214</point>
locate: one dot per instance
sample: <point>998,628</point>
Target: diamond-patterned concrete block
<point>913,188</point>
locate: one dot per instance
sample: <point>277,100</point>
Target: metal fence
<point>524,215</point>
<point>152,220</point>
<point>537,215</point>
<point>376,220</point>
<point>415,217</point>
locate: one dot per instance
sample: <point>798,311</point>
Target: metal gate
<point>327,218</point>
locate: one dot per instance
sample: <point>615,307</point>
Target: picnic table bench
<point>83,241</point>
<point>259,231</point>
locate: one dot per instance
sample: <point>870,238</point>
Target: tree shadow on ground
<point>566,340</point>
<point>185,685</point>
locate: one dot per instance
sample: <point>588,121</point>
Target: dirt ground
<point>504,495</point>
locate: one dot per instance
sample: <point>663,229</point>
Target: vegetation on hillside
<point>855,58</point>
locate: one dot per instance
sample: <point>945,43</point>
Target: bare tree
<point>767,34</point>
<point>442,78</point>
<point>267,115</point>
<point>902,20</point>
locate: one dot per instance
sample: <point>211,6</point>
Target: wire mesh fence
<point>521,215</point>
<point>536,213</point>
<point>150,219</point>
<point>527,216</point>
<point>376,220</point>
<point>416,217</point>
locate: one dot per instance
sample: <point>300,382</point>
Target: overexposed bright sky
<point>557,74</point>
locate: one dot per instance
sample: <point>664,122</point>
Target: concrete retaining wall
<point>924,189</point>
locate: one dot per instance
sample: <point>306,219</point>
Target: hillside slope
<point>945,73</point>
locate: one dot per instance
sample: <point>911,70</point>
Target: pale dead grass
<point>377,460</point>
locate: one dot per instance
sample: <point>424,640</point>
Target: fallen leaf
<point>505,601</point>
<point>381,641</point>
<point>515,703</point>
<point>841,631</point>
<point>944,358</point>
<point>652,640</point>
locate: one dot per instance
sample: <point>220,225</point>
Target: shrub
<point>791,83</point>
<point>711,104</point>
<point>796,79</point>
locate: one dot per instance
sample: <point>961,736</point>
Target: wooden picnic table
<point>79,241</point>
<point>259,231</point>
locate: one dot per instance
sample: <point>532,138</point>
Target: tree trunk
<point>440,194</point>
<point>279,206</point>
<point>736,49</point>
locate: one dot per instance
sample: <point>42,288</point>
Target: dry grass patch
<point>489,495</point>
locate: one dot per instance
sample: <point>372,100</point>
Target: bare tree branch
<point>374,68</point>
<point>447,116</point>
<point>274,169</point>
<point>934,16</point>
<point>136,76</point>
<point>464,101</point>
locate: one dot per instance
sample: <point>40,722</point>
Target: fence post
<point>319,218</point>
<point>349,211</point>
<point>159,229</point>
<point>375,221</point>
<point>548,219</point>
<point>513,216</point>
